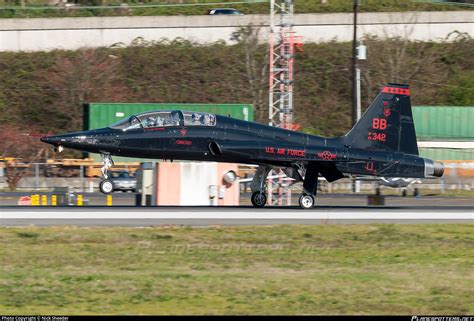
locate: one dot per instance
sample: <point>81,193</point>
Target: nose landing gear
<point>106,186</point>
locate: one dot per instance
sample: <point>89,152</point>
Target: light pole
<point>358,52</point>
<point>361,55</point>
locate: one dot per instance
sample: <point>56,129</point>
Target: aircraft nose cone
<point>53,140</point>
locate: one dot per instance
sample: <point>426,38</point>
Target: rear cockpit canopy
<point>164,119</point>
<point>198,119</point>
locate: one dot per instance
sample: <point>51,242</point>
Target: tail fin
<point>387,124</point>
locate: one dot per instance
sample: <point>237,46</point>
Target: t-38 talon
<point>383,143</point>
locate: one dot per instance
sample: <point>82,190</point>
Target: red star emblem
<point>326,155</point>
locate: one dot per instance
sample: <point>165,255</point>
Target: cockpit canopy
<point>165,119</point>
<point>198,119</point>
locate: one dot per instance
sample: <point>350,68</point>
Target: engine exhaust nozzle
<point>433,168</point>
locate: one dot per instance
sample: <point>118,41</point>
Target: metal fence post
<point>81,172</point>
<point>36,176</point>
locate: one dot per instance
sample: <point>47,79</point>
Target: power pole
<point>282,43</point>
<point>358,53</point>
<point>355,74</point>
<point>354,64</point>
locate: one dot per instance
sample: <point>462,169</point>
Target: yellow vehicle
<point>12,162</point>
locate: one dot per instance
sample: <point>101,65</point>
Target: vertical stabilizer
<point>387,124</point>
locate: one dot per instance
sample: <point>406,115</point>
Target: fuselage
<point>225,139</point>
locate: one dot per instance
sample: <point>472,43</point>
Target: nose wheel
<point>106,186</point>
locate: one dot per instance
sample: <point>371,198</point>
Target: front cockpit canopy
<point>165,119</point>
<point>127,124</point>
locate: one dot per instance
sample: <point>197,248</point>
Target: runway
<point>206,216</point>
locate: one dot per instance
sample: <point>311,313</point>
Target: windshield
<point>199,119</point>
<point>127,124</point>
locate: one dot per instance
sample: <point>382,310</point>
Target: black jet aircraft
<point>383,143</point>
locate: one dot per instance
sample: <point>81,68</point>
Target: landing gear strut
<point>310,187</point>
<point>106,186</point>
<point>258,187</point>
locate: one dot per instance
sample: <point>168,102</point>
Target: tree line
<point>43,92</point>
<point>90,8</point>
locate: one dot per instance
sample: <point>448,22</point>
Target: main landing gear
<point>258,187</point>
<point>310,187</point>
<point>106,186</point>
<point>258,199</point>
<point>307,198</point>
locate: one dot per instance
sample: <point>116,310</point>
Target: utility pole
<point>359,52</point>
<point>354,64</point>
<point>282,43</point>
<point>355,77</point>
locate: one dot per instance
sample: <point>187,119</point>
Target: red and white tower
<point>282,46</point>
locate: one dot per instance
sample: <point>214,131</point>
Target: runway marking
<point>235,214</point>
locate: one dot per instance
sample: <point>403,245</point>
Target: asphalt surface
<point>323,199</point>
<point>205,216</point>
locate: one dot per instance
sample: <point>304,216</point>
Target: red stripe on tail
<point>395,90</point>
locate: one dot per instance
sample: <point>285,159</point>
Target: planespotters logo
<point>416,318</point>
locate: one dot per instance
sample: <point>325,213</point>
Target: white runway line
<point>373,214</point>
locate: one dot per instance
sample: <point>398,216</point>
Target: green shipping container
<point>447,154</point>
<point>444,123</point>
<point>99,115</point>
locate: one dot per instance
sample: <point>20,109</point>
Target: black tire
<point>106,186</point>
<point>258,199</point>
<point>306,201</point>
